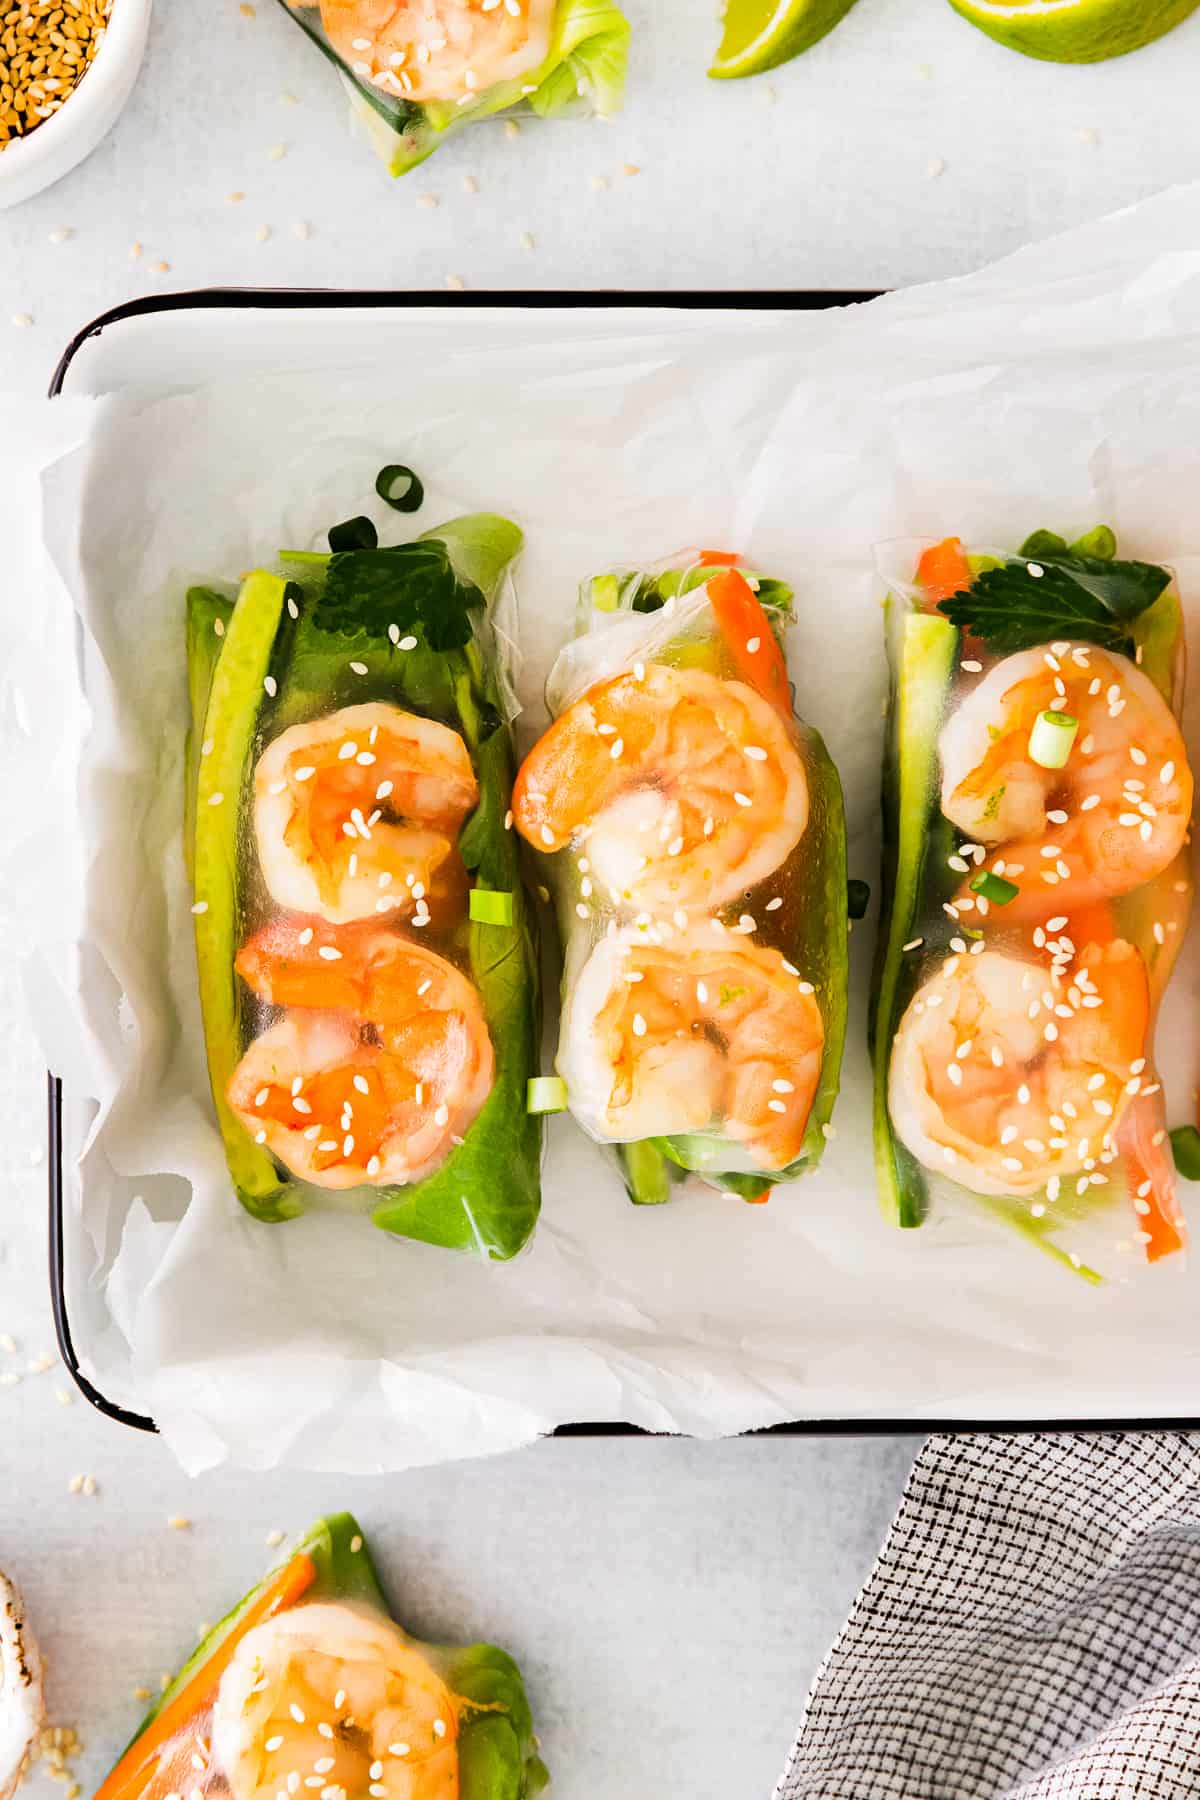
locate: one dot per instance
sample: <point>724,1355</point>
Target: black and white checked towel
<point>1031,1631</point>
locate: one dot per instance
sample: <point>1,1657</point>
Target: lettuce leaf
<point>584,69</point>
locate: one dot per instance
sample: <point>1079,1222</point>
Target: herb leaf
<point>411,586</point>
<point>1074,596</point>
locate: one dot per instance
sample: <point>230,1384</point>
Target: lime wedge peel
<point>760,34</point>
<point>1075,31</point>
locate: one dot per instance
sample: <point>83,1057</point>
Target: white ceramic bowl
<point>29,164</point>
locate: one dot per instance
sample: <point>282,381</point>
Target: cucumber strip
<point>230,722</point>
<point>649,1177</point>
<point>927,655</point>
<point>206,611</point>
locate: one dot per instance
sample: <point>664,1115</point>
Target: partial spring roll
<point>309,1686</point>
<point>691,829</point>
<point>367,965</point>
<point>418,70</point>
<point>1036,806</point>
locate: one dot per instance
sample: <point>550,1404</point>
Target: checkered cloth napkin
<point>1031,1631</point>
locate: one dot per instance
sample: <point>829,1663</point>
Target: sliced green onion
<point>353,534</point>
<point>606,593</point>
<point>403,491</point>
<point>1042,543</point>
<point>1185,1144</point>
<point>858,898</point>
<point>490,906</point>
<point>994,888</point>
<point>546,1094</point>
<point>1101,542</point>
<point>1051,739</point>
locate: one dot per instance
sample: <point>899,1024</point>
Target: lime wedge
<point>761,34</point>
<point>1075,31</point>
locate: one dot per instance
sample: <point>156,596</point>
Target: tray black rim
<point>208,299</point>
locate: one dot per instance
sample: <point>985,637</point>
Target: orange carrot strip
<point>281,1591</point>
<point>1142,1160</point>
<point>759,1199</point>
<point>725,559</point>
<point>943,570</point>
<point>752,644</point>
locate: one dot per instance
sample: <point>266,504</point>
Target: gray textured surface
<point>829,185</point>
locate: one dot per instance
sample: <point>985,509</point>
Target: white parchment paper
<point>1058,389</point>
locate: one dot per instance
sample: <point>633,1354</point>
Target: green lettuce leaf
<point>584,68</point>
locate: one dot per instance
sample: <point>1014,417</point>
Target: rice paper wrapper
<point>712,900</point>
<point>1044,1107</point>
<point>1059,388</point>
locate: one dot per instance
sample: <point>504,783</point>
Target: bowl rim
<point>95,92</point>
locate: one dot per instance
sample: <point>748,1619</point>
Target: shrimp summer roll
<point>1036,807</point>
<point>367,964</point>
<point>417,70</point>
<point>691,829</point>
<point>309,1686</point>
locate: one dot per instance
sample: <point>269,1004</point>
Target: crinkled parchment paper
<point>1059,388</point>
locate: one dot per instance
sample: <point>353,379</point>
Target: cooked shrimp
<point>1112,818</point>
<point>708,1033</point>
<point>22,1709</point>
<point>358,813</point>
<point>381,1063</point>
<point>439,49</point>
<point>1007,1079</point>
<point>689,789</point>
<point>324,1699</point>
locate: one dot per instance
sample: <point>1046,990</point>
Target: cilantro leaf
<point>411,586</point>
<point>1074,596</point>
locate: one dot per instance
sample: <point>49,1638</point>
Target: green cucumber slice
<point>230,722</point>
<point>927,652</point>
